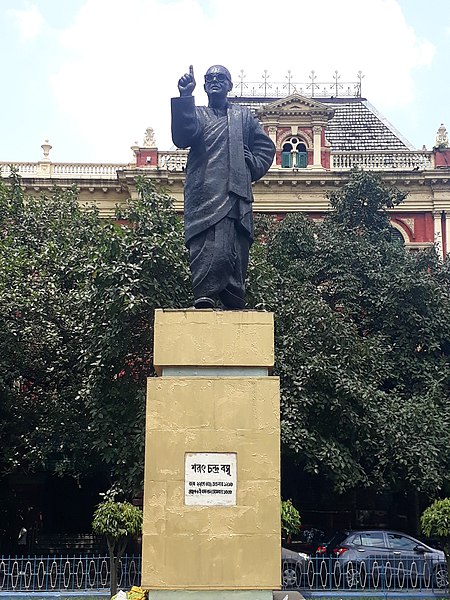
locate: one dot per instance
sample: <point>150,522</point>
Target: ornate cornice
<point>295,105</point>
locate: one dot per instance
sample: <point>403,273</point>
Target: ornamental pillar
<point>438,232</point>
<point>317,147</point>
<point>272,130</point>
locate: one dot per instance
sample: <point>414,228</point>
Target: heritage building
<point>320,136</point>
<point>320,132</point>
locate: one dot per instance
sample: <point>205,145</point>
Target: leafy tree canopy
<point>118,522</point>
<point>77,296</point>
<point>435,521</point>
<point>362,343</point>
<point>362,336</point>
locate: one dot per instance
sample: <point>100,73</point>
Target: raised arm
<point>185,126</point>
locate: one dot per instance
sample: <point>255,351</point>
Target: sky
<point>91,75</point>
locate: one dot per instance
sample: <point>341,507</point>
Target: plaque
<point>210,479</point>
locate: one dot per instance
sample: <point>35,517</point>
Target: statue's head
<point>218,82</point>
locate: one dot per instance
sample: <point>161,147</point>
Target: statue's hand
<point>186,83</point>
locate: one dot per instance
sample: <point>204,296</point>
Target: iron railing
<point>84,573</point>
<point>69,574</point>
<point>311,87</point>
<point>377,574</point>
<point>376,160</point>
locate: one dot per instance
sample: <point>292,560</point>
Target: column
<point>317,147</point>
<point>273,136</point>
<point>437,216</point>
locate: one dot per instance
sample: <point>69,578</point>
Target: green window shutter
<point>286,160</point>
<point>302,160</point>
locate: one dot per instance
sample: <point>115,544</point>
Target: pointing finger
<point>191,71</point>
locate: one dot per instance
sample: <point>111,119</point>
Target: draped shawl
<point>218,177</point>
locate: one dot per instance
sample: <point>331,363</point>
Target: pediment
<point>294,105</point>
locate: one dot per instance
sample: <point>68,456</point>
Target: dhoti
<point>219,260</point>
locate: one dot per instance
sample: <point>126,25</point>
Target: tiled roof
<point>356,125</point>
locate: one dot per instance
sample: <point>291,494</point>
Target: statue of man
<point>228,150</point>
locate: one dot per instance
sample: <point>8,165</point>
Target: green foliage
<point>142,267</point>
<point>116,520</point>
<point>435,520</point>
<point>77,294</point>
<point>290,518</point>
<point>361,345</point>
<point>362,336</point>
<point>363,203</point>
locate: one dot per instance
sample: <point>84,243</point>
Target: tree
<point>118,522</point>
<point>77,295</point>
<point>144,267</point>
<point>361,344</point>
<point>45,244</point>
<point>435,521</point>
<point>363,203</point>
<point>290,519</point>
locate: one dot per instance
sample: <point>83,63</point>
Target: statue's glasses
<point>220,77</point>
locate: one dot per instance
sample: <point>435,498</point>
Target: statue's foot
<point>230,300</point>
<point>204,302</point>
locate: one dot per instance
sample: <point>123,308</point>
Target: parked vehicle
<point>308,539</point>
<point>387,555</point>
<point>294,567</point>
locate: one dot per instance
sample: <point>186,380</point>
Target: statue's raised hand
<point>186,83</point>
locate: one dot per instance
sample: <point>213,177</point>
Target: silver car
<point>294,568</point>
<point>391,556</point>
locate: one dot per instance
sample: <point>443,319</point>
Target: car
<point>294,567</point>
<point>308,539</point>
<point>391,557</point>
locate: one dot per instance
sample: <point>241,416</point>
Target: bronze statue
<point>228,150</point>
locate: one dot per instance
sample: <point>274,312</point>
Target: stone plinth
<point>214,399</point>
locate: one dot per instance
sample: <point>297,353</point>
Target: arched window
<point>396,237</point>
<point>293,154</point>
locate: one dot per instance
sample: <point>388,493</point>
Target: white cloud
<point>29,20</point>
<point>125,58</point>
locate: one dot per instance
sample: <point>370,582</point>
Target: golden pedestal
<point>212,474</point>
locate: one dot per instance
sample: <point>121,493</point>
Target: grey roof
<point>355,126</point>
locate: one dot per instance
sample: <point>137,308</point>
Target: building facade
<point>319,140</point>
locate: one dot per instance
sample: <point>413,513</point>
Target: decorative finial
<point>336,85</point>
<point>313,83</point>
<point>149,138</point>
<point>288,85</point>
<point>46,147</point>
<point>241,85</point>
<point>265,85</point>
<point>441,137</point>
<point>358,90</point>
<point>135,150</point>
